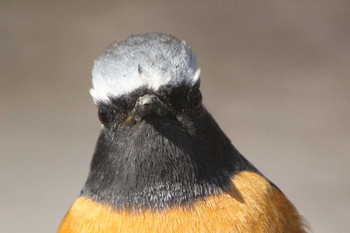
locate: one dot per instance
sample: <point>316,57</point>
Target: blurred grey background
<point>275,75</point>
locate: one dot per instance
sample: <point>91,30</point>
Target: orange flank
<point>250,205</point>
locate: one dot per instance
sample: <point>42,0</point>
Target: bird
<point>161,162</point>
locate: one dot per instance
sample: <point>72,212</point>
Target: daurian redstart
<point>162,163</point>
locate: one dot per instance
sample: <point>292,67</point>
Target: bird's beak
<point>148,105</point>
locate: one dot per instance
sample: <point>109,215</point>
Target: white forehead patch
<point>103,89</point>
<point>149,60</point>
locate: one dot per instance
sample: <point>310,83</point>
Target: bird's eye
<point>104,116</point>
<point>195,97</point>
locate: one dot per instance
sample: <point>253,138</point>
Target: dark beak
<point>148,105</point>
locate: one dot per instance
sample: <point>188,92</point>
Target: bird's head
<point>150,78</point>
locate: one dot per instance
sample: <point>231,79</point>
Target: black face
<point>181,104</point>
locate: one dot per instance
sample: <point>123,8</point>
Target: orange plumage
<point>250,205</point>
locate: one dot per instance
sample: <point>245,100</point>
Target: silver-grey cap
<point>149,60</point>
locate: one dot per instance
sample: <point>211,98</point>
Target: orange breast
<point>251,205</point>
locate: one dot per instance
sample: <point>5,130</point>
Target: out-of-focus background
<point>275,75</point>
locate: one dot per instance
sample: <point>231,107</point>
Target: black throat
<point>162,162</point>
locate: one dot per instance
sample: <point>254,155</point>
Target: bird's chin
<point>155,121</point>
<point>153,125</point>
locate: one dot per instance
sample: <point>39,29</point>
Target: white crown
<point>149,60</point>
